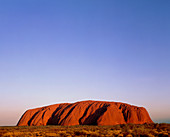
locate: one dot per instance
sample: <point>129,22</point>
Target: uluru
<point>85,113</point>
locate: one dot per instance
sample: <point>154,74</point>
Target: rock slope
<point>85,113</point>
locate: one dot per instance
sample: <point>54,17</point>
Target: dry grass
<point>129,130</point>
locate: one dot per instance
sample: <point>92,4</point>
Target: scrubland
<point>125,130</point>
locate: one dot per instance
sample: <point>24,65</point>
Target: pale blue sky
<point>64,51</point>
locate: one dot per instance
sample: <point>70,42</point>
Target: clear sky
<point>54,51</point>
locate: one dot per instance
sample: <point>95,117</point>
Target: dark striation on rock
<point>85,113</point>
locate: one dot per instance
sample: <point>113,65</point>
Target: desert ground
<point>124,130</point>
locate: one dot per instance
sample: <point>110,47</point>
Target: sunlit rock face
<point>85,113</point>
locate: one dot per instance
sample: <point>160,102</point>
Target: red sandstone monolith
<point>85,113</point>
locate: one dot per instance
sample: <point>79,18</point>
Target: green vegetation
<point>129,130</point>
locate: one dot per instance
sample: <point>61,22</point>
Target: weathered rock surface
<point>85,113</point>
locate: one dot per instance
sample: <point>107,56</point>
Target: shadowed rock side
<point>85,113</point>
